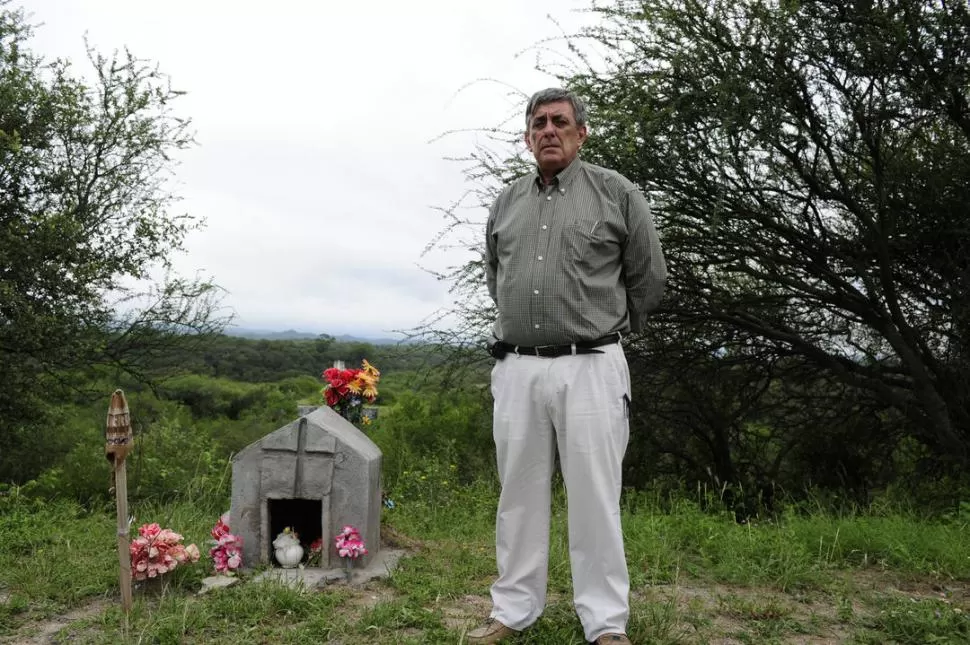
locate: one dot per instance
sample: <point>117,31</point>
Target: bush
<point>170,459</point>
<point>453,429</point>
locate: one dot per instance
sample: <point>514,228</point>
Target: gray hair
<point>554,95</point>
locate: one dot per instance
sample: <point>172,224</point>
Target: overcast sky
<point>316,168</point>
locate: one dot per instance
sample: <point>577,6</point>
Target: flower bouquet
<point>157,551</point>
<point>227,552</point>
<point>315,559</point>
<point>348,389</point>
<point>350,547</point>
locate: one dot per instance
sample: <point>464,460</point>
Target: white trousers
<point>579,403</point>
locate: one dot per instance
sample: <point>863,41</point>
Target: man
<point>573,265</point>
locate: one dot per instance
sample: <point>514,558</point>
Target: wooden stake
<point>124,556</point>
<point>118,443</point>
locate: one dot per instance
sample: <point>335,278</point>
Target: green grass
<point>696,577</point>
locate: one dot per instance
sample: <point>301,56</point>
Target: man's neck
<point>548,179</point>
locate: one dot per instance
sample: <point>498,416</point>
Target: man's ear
<point>583,133</point>
<point>528,141</point>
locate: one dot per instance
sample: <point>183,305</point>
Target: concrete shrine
<point>314,475</point>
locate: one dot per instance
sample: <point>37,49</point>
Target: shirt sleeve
<point>491,254</point>
<point>491,270</point>
<point>644,268</point>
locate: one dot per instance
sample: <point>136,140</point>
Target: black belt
<point>500,349</point>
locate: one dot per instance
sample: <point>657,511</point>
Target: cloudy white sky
<point>317,169</point>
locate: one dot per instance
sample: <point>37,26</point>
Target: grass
<point>696,577</point>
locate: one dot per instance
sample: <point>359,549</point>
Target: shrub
<point>453,428</point>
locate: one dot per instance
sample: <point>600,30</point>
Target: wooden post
<point>118,443</point>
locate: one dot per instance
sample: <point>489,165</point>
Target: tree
<point>84,219</point>
<point>809,163</point>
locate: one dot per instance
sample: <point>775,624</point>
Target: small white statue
<point>288,550</point>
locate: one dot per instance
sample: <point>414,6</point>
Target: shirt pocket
<point>592,245</point>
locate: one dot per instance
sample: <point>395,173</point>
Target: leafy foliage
<point>808,164</point>
<point>84,218</point>
<point>453,429</point>
<point>808,161</point>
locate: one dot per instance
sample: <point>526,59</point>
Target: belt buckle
<point>538,349</point>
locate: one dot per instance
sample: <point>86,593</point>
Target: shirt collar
<point>563,177</point>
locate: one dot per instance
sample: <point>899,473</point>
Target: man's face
<point>553,137</point>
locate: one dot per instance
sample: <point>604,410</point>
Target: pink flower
<point>227,553</point>
<point>157,551</point>
<point>351,549</point>
<point>221,528</point>
<point>348,532</point>
<point>349,544</point>
<point>149,530</point>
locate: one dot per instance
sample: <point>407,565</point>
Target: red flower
<point>220,529</point>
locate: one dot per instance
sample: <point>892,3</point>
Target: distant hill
<point>292,334</point>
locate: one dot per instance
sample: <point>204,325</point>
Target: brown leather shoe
<point>613,639</point>
<point>491,632</point>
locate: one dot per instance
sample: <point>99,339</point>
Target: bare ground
<point>688,612</point>
<point>47,630</point>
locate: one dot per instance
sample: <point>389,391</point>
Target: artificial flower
<point>371,370</point>
<point>349,544</point>
<point>348,389</point>
<point>315,557</point>
<point>221,528</point>
<point>157,551</point>
<point>226,553</point>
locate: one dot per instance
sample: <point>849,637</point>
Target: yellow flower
<point>370,392</point>
<point>354,386</point>
<point>371,370</point>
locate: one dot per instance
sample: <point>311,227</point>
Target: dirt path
<point>43,632</point>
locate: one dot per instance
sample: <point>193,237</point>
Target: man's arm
<point>644,268</point>
<point>491,255</point>
<point>491,270</point>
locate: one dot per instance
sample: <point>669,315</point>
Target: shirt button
<point>540,258</point>
<point>562,191</point>
<point>537,326</point>
<point>536,292</point>
<point>548,198</point>
<point>544,227</point>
